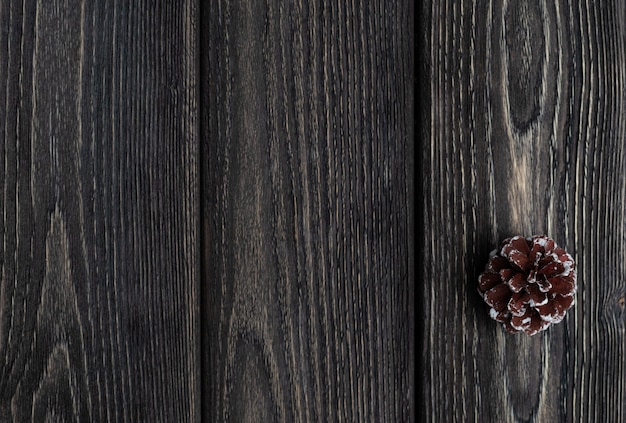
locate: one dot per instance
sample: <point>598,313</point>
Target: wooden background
<point>206,211</point>
<point>525,128</point>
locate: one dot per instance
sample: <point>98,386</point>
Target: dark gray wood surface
<point>308,114</point>
<point>206,211</point>
<point>99,316</point>
<point>524,134</point>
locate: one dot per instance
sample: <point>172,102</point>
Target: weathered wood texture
<point>308,114</point>
<point>98,302</point>
<point>525,126</point>
<point>298,202</point>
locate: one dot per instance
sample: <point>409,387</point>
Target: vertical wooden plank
<point>308,118</point>
<point>526,134</point>
<point>98,255</point>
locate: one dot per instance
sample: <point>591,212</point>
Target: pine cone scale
<point>497,263</point>
<point>498,297</point>
<point>519,259</point>
<point>488,281</point>
<point>517,282</point>
<point>537,297</point>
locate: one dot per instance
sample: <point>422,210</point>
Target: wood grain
<point>98,169</point>
<point>525,134</point>
<point>308,117</point>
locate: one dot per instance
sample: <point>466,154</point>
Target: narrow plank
<point>98,297</point>
<point>525,134</point>
<point>308,119</point>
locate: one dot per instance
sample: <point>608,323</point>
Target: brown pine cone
<point>529,283</point>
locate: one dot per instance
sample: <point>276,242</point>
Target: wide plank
<point>307,119</point>
<point>524,134</point>
<point>98,237</point>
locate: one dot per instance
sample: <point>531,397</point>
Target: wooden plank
<point>308,118</point>
<point>98,301</point>
<point>525,134</point>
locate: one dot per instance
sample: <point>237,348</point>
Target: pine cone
<point>528,284</point>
